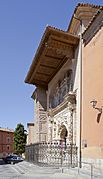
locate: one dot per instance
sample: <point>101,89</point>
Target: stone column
<point>50,129</point>
<point>71,126</point>
<point>71,108</point>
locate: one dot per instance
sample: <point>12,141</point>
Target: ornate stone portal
<point>62,121</point>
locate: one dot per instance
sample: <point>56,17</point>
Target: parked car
<point>12,159</point>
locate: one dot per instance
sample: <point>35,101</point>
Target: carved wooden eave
<point>69,101</point>
<point>55,48</point>
<point>85,12</point>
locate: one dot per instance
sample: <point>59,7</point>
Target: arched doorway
<point>63,134</point>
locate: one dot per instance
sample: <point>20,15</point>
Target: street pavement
<point>26,170</point>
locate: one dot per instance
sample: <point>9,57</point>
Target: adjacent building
<point>6,141</point>
<point>92,114</point>
<point>67,71</point>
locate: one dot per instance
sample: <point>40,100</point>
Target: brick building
<point>6,141</point>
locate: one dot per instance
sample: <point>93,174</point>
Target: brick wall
<point>6,142</point>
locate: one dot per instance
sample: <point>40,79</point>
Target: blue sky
<point>22,23</point>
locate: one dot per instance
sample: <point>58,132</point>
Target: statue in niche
<point>69,80</point>
<point>55,97</point>
<point>62,88</point>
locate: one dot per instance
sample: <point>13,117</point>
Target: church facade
<point>67,73</point>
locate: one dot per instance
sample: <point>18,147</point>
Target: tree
<point>19,139</point>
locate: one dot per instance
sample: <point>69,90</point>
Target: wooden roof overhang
<point>85,12</point>
<point>55,48</point>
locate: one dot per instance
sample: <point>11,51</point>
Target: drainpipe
<point>80,152</point>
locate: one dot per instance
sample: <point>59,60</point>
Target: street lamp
<point>94,103</point>
<point>80,152</point>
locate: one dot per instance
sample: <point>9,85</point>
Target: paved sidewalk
<point>26,170</point>
<point>84,173</point>
<point>59,173</point>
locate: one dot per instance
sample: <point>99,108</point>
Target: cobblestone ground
<point>25,170</point>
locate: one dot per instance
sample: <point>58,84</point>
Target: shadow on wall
<point>98,117</point>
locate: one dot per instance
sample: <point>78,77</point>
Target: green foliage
<point>19,139</point>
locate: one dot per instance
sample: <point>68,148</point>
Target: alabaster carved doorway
<point>63,134</point>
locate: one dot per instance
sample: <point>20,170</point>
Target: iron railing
<point>52,154</point>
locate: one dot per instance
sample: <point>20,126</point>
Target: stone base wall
<point>96,164</point>
<point>93,152</point>
<point>93,156</point>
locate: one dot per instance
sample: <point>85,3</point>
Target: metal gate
<point>52,154</point>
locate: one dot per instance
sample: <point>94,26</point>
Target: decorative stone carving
<point>71,127</point>
<point>62,88</point>
<point>50,128</point>
<point>63,113</point>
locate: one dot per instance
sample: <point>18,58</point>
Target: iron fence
<point>52,154</point>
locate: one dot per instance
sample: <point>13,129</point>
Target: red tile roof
<point>83,5</point>
<point>94,17</point>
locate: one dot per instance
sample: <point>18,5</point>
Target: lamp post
<point>80,124</point>
<point>94,103</point>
